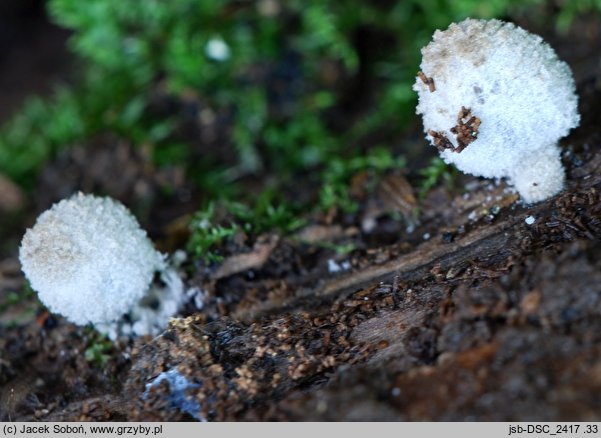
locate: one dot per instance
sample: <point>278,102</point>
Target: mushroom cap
<point>88,259</point>
<point>513,82</point>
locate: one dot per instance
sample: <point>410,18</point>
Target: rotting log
<point>501,322</point>
<point>460,316</point>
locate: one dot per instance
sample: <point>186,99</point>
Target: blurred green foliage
<point>98,349</point>
<point>207,235</point>
<point>209,230</point>
<point>571,8</point>
<point>334,191</point>
<point>305,85</point>
<point>435,173</point>
<point>13,298</point>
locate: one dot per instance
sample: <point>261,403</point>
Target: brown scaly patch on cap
<point>428,81</point>
<point>466,131</point>
<point>440,140</point>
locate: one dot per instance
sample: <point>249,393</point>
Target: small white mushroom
<point>88,259</point>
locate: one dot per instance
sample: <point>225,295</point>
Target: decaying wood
<point>485,245</point>
<point>243,262</point>
<point>426,313</point>
<point>108,407</point>
<point>424,336</point>
<point>491,318</point>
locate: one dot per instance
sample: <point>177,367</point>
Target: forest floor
<point>478,308</point>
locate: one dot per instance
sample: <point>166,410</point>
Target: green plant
<point>339,171</point>
<point>301,85</point>
<point>573,8</point>
<point>338,248</point>
<point>126,46</point>
<point>73,115</point>
<point>206,236</point>
<point>209,229</point>
<point>98,348</point>
<point>13,298</point>
<point>266,214</point>
<point>435,173</point>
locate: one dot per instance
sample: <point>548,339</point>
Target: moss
<point>305,83</point>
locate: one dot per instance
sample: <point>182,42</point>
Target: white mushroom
<point>88,259</point>
<point>495,100</point>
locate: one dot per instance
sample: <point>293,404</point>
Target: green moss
<point>206,236</point>
<point>210,229</point>
<point>339,171</point>
<point>304,86</point>
<point>98,349</point>
<point>13,298</point>
<point>437,172</point>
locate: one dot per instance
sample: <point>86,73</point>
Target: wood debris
<point>426,80</point>
<point>466,131</point>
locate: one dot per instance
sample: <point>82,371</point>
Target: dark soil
<point>472,315</point>
<point>33,56</point>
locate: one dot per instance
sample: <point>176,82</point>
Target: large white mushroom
<point>495,100</point>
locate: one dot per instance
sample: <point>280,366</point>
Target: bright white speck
<point>334,267</point>
<point>396,392</point>
<point>197,296</point>
<point>426,236</point>
<point>529,220</point>
<point>217,50</point>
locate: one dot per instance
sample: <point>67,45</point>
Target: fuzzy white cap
<point>515,84</point>
<point>88,259</point>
